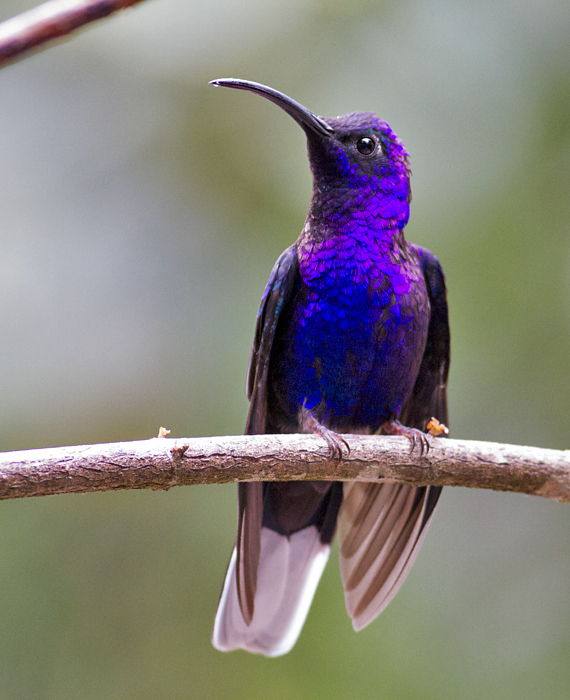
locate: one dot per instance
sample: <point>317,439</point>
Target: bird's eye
<point>366,145</point>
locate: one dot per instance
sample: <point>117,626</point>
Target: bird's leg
<point>415,436</point>
<point>309,424</point>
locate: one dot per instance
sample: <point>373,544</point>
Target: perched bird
<point>352,336</point>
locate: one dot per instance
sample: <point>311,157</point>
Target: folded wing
<point>381,526</point>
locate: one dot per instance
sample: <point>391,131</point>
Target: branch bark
<point>52,20</point>
<point>161,463</point>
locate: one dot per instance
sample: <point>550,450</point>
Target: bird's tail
<point>284,537</point>
<point>290,568</point>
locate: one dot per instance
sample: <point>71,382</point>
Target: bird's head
<point>358,162</point>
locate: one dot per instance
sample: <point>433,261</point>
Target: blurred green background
<point>142,211</point>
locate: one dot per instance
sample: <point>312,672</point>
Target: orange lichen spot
<point>435,428</point>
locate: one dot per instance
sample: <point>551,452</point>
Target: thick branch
<point>160,463</point>
<point>52,20</point>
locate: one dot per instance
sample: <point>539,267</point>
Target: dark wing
<point>429,397</point>
<point>283,281</point>
<point>284,529</point>
<point>381,525</point>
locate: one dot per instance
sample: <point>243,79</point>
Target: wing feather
<point>244,566</point>
<point>248,545</point>
<point>381,526</point>
<point>284,279</point>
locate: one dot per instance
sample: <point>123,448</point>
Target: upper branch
<point>160,463</point>
<point>52,20</point>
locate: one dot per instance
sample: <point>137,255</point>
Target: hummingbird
<point>352,336</point>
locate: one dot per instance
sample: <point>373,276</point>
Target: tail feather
<point>290,568</point>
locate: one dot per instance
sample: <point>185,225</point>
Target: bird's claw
<point>309,424</point>
<point>414,435</point>
<point>335,443</point>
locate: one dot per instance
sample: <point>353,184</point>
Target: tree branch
<point>52,20</point>
<point>161,463</point>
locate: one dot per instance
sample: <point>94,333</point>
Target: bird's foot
<point>415,436</point>
<point>309,424</point>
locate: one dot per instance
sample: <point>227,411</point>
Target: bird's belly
<point>352,363</point>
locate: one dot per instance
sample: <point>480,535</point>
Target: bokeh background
<point>141,212</point>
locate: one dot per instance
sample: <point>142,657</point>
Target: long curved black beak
<point>306,119</point>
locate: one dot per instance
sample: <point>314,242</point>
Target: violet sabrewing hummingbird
<point>352,336</point>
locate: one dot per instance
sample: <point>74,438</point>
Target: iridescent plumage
<point>352,337</point>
